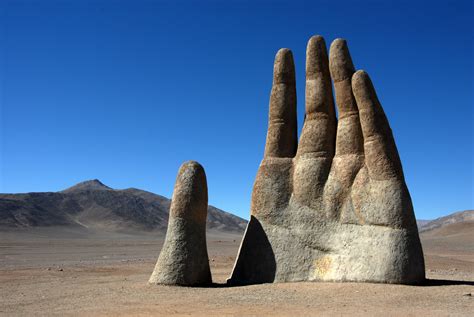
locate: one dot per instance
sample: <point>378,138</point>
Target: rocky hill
<point>465,216</point>
<point>92,204</point>
<point>450,236</point>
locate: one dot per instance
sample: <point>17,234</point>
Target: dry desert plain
<point>61,271</point>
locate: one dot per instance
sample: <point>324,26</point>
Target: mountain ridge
<point>453,218</point>
<point>93,204</point>
<point>92,184</point>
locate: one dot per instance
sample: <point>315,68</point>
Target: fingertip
<point>340,61</point>
<point>284,53</point>
<point>284,67</point>
<point>316,56</point>
<point>362,87</point>
<point>192,163</point>
<point>360,75</point>
<point>191,166</point>
<point>191,174</point>
<point>315,44</point>
<point>338,42</point>
<point>315,40</point>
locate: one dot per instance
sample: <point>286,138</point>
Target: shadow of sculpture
<point>437,282</point>
<point>426,283</point>
<point>256,261</point>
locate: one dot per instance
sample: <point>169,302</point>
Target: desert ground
<point>60,271</point>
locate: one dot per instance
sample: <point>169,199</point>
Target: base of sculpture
<point>329,252</point>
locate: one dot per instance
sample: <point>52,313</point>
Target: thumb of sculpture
<point>183,259</point>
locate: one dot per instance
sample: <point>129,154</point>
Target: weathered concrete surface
<point>334,207</point>
<point>183,259</point>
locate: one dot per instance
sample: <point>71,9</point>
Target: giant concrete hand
<point>335,206</point>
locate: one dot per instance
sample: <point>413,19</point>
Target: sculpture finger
<point>183,260</point>
<point>381,154</point>
<point>319,129</point>
<point>349,134</point>
<point>282,134</point>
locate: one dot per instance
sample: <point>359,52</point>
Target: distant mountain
<point>457,217</point>
<point>94,184</point>
<point>421,222</point>
<point>92,204</point>
<point>450,236</point>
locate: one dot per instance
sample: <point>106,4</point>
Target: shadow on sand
<point>427,283</point>
<point>436,282</point>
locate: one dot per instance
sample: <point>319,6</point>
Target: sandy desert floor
<point>62,272</point>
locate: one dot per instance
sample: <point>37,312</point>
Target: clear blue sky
<point>125,91</point>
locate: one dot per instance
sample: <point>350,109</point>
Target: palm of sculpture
<point>334,207</point>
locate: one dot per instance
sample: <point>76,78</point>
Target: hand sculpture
<point>334,207</point>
